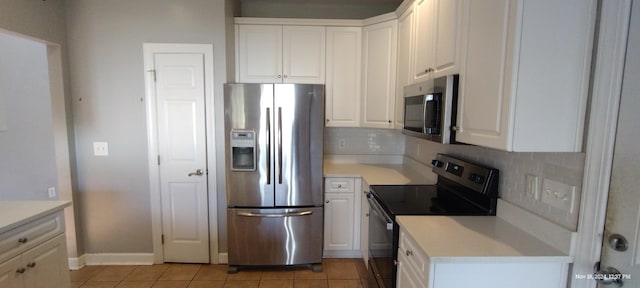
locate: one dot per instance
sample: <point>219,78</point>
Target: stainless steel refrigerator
<point>274,144</point>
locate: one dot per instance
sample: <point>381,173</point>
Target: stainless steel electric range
<point>463,188</point>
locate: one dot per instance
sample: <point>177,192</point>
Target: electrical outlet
<point>100,148</point>
<point>532,190</point>
<point>559,195</point>
<point>52,192</point>
<point>341,143</point>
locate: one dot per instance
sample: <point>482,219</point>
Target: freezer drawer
<point>275,236</point>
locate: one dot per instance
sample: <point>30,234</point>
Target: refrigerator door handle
<point>279,145</point>
<point>268,146</point>
<point>251,214</point>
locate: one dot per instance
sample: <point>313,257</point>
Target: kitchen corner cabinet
<point>379,74</point>
<point>341,210</point>
<point>526,72</point>
<point>344,58</point>
<point>436,39</point>
<point>281,54</point>
<point>35,254</point>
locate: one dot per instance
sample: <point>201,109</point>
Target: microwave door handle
<point>424,114</point>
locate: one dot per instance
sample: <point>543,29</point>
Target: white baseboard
<point>91,259</point>
<point>76,263</point>
<point>223,258</point>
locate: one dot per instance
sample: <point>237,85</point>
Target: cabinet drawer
<point>416,259</point>
<point>15,241</point>
<point>339,185</point>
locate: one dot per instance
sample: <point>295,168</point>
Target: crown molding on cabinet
<point>297,21</point>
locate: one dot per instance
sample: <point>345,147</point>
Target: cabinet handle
<point>23,240</point>
<point>21,270</point>
<point>31,264</point>
<point>409,253</point>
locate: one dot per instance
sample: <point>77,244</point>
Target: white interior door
<point>623,210</point>
<point>182,156</point>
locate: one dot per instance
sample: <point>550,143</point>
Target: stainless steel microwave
<point>430,109</point>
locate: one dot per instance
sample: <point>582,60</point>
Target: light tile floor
<point>336,273</point>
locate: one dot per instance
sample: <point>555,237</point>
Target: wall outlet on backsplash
<point>559,195</point>
<point>341,144</point>
<point>532,190</point>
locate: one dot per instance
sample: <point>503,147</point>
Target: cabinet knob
<point>409,253</point>
<point>285,75</point>
<point>327,119</point>
<point>327,201</point>
<point>23,240</point>
<point>389,121</point>
<point>279,76</point>
<point>456,128</point>
<point>31,264</point>
<point>21,270</point>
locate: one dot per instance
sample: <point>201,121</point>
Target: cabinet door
<point>47,265</point>
<point>405,50</point>
<point>9,277</point>
<point>338,221</point>
<point>406,277</point>
<point>447,31</point>
<point>379,79</point>
<point>303,54</point>
<point>344,46</point>
<point>423,54</point>
<point>484,99</point>
<point>259,53</point>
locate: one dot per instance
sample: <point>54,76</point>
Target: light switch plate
<point>100,148</point>
<point>52,192</point>
<point>532,190</point>
<point>558,194</point>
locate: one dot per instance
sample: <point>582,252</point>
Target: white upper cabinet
<point>344,66</point>
<point>405,49</point>
<point>379,74</point>
<point>436,38</point>
<point>525,78</point>
<point>281,54</point>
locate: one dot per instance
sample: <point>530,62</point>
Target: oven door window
<point>432,110</point>
<point>381,245</point>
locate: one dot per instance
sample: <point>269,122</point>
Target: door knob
<point>198,172</point>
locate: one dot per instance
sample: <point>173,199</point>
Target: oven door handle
<point>377,209</point>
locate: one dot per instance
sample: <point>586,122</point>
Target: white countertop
<point>379,174</point>
<point>16,213</point>
<point>475,239</point>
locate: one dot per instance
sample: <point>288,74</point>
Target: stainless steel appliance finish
<point>463,188</point>
<point>430,109</point>
<point>279,203</point>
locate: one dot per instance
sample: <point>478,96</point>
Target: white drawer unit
<point>33,249</point>
<point>339,185</point>
<point>18,240</point>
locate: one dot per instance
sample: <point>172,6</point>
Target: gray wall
<point>106,59</point>
<point>28,165</point>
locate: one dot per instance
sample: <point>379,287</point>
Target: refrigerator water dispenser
<point>243,150</point>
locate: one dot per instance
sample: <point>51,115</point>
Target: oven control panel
<point>477,177</point>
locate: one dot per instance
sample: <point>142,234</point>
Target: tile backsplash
<point>567,168</point>
<point>363,141</point>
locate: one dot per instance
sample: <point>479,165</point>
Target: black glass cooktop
<point>422,200</point>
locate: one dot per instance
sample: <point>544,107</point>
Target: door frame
<point>606,89</point>
<point>206,50</point>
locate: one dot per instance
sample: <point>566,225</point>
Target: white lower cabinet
<point>415,270</point>
<point>341,210</point>
<point>38,255</point>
